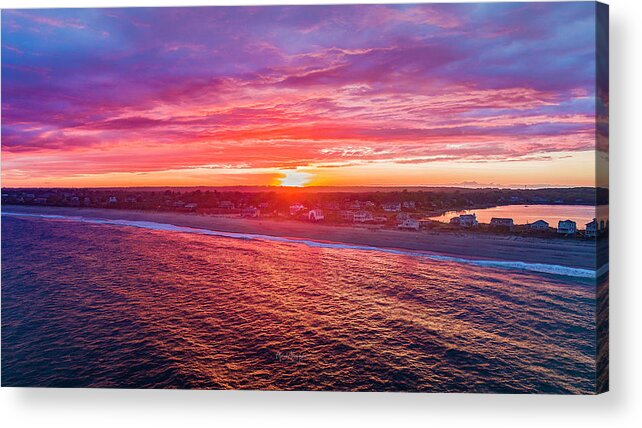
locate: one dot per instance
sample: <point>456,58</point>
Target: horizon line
<point>453,186</point>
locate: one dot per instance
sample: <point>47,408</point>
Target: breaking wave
<point>500,264</point>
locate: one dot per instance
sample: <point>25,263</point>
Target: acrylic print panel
<point>345,198</point>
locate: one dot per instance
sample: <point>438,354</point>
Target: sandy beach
<point>564,252</point>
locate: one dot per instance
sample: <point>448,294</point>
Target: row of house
<point>390,207</point>
<point>358,216</point>
<point>77,199</point>
<point>592,229</point>
<point>368,217</point>
<point>564,227</point>
<point>295,210</point>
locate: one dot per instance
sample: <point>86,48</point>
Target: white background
<point>620,407</point>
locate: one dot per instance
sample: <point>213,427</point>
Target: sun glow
<point>305,110</point>
<point>294,178</point>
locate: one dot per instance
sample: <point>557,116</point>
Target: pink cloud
<point>50,21</point>
<point>272,88</point>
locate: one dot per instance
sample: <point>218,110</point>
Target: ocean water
<point>95,303</point>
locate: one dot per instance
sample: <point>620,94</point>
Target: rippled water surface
<point>110,306</point>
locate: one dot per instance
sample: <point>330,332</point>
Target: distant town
<point>408,209</point>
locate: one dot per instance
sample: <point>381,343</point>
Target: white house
<point>409,223</point>
<point>113,200</point>
<point>539,225</point>
<point>316,215</point>
<point>591,229</point>
<point>363,216</point>
<point>228,205</point>
<point>251,212</point>
<point>566,227</point>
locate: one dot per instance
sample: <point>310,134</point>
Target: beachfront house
<point>539,225</point>
<point>467,220</point>
<point>112,200</point>
<point>566,227</point>
<point>501,223</point>
<point>363,217</point>
<point>316,215</point>
<point>409,224</point>
<point>250,212</point>
<point>226,205</point>
<point>296,209</point>
<point>392,207</point>
<point>591,229</point>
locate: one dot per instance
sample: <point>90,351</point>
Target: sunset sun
<point>295,178</point>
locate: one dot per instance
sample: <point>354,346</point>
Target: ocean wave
<point>499,264</point>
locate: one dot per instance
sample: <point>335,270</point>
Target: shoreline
<point>567,253</point>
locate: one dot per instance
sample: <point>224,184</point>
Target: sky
<point>383,95</point>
